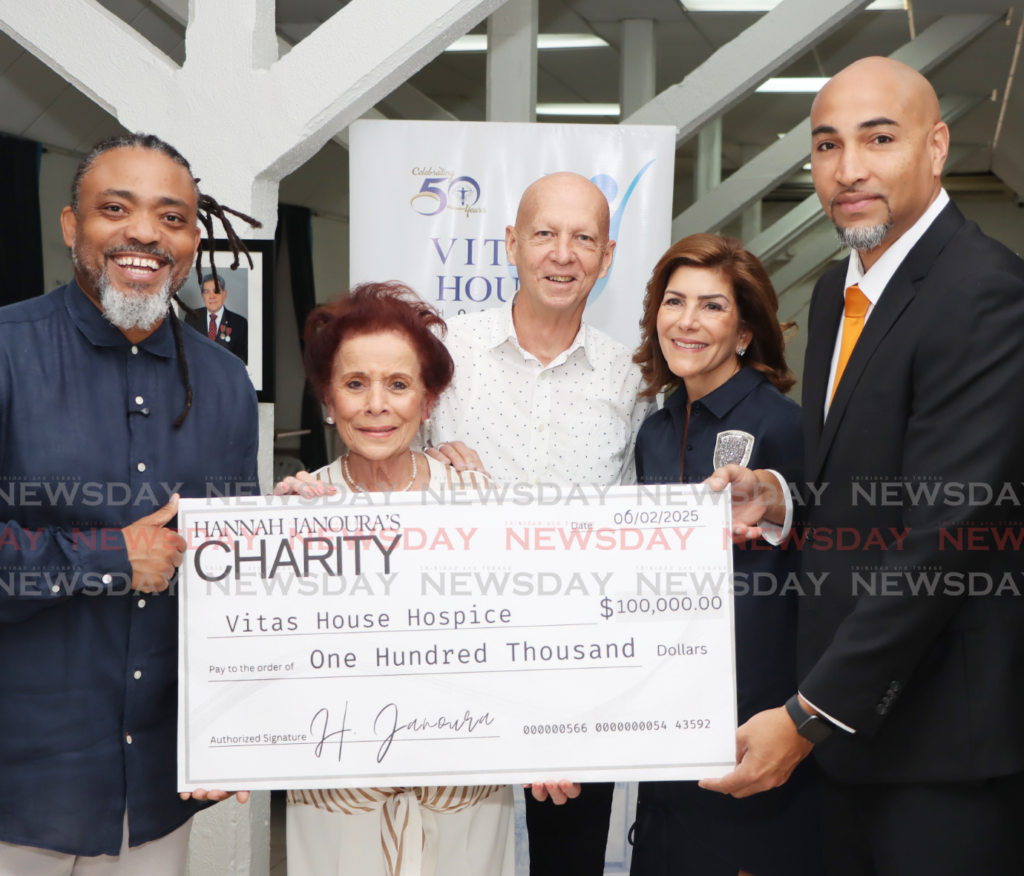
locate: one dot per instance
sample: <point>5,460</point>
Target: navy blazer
<point>767,582</point>
<point>233,333</point>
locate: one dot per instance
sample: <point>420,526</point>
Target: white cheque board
<point>422,639</point>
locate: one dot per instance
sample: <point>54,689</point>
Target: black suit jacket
<point>236,340</point>
<point>931,402</point>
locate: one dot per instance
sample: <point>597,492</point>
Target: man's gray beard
<point>863,239</point>
<point>133,310</point>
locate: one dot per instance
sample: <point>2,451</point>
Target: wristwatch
<point>813,728</point>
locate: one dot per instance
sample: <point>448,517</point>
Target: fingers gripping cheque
<point>537,634</point>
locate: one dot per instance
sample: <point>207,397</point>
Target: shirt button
<point>540,428</point>
<point>56,588</point>
<point>141,466</point>
<point>138,399</point>
<point>107,579</point>
<point>536,480</point>
<point>138,673</point>
<point>135,351</point>
<point>543,375</point>
<point>689,447</point>
<point>142,603</point>
<point>128,739</point>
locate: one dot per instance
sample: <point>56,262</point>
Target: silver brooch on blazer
<point>733,447</point>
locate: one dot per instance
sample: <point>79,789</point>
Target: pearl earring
<point>330,420</point>
<point>741,352</point>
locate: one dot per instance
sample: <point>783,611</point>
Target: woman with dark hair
<point>376,359</point>
<point>711,340</point>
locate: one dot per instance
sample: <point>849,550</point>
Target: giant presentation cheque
<point>395,639</point>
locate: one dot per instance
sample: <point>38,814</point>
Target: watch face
<point>815,730</point>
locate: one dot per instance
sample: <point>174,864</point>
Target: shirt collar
<point>101,333</point>
<point>216,315</point>
<point>723,399</point>
<point>505,330</point>
<point>873,281</point>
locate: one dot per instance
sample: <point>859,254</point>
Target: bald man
<point>543,397</point>
<point>911,652</point>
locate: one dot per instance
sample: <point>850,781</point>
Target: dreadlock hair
<point>207,209</point>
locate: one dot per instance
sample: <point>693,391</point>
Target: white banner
<point>430,202</point>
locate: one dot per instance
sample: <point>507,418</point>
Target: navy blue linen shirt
<point>88,687</point>
<point>765,624</point>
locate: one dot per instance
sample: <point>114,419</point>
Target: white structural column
<point>636,71</point>
<point>707,171</point>
<point>512,62</point>
<point>737,68</point>
<point>758,177</point>
<point>751,220</point>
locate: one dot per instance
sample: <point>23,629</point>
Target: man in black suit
<point>911,644</point>
<point>225,327</point>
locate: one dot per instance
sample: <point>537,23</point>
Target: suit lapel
<point>826,316</point>
<point>893,301</point>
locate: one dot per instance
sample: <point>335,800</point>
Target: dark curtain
<point>294,224</point>
<point>21,236</point>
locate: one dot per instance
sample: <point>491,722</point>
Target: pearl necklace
<point>359,489</point>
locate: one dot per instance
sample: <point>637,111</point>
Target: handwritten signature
<point>387,721</point>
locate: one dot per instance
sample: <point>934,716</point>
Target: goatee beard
<point>134,309</point>
<point>863,238</point>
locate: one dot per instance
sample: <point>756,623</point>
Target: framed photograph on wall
<point>243,302</point>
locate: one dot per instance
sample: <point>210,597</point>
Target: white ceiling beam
<point>405,102</point>
<point>780,160</point>
<point>280,111</point>
<point>736,69</point>
<point>396,38</point>
<point>86,23</point>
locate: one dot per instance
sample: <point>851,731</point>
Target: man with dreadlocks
<point>109,411</point>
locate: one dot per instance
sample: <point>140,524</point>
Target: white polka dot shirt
<point>574,421</point>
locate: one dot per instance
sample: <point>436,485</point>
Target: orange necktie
<point>853,324</point>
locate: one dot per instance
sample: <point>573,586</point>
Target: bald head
<point>883,82</point>
<point>560,246</point>
<point>565,187</point>
<point>878,147</point>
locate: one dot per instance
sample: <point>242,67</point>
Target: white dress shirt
<point>872,283</point>
<point>214,318</point>
<point>572,421</point>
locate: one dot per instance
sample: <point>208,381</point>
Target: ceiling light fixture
<point>768,5</point>
<point>477,42</point>
<point>578,109</point>
<point>793,85</point>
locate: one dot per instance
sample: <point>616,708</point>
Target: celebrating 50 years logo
<point>443,190</point>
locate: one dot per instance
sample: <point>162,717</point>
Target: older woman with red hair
<point>376,360</point>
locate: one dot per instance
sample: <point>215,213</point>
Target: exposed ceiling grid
<point>37,103</point>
